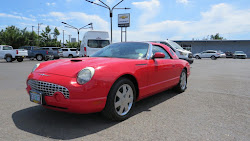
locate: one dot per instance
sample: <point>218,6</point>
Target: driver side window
<point>160,49</point>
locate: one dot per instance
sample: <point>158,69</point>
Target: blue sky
<point>150,19</point>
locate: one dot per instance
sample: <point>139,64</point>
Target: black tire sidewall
<point>19,59</point>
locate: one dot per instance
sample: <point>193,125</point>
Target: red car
<point>110,81</point>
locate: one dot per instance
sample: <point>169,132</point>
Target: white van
<point>93,41</point>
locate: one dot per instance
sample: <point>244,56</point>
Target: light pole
<point>39,24</point>
<point>63,38</point>
<point>78,29</point>
<point>110,11</point>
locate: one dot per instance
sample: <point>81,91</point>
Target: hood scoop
<point>75,60</point>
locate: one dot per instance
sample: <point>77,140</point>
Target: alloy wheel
<point>123,99</point>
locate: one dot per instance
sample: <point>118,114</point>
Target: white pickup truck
<point>10,54</point>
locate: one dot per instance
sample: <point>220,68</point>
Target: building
<point>73,40</point>
<point>196,46</point>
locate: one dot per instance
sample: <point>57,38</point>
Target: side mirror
<point>159,55</point>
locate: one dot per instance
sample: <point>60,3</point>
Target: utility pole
<point>32,28</point>
<point>39,24</point>
<point>69,38</point>
<point>38,32</point>
<point>63,38</point>
<point>104,5</point>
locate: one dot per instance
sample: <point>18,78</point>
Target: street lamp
<point>78,29</point>
<point>110,11</point>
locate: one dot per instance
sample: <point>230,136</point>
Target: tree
<point>216,37</point>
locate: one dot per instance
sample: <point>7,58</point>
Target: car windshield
<point>130,50</point>
<point>239,52</point>
<point>175,45</point>
<point>98,43</point>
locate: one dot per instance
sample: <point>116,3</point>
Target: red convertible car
<point>110,81</point>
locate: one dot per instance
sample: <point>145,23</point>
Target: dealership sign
<point>124,20</point>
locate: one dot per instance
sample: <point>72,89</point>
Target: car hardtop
<point>211,51</point>
<point>239,52</point>
<point>30,47</point>
<point>52,48</point>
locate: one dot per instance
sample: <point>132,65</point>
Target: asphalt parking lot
<point>215,106</point>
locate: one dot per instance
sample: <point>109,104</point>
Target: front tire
<point>182,85</point>
<point>120,100</point>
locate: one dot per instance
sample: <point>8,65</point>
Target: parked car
<point>57,51</point>
<point>239,54</point>
<point>222,54</point>
<point>10,54</point>
<point>229,54</point>
<point>213,54</point>
<point>38,53</point>
<point>179,51</point>
<point>70,52</point>
<point>93,41</point>
<point>111,80</point>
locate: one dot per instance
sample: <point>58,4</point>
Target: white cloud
<point>51,4</point>
<point>182,1</point>
<point>16,17</point>
<point>149,9</point>
<point>221,18</point>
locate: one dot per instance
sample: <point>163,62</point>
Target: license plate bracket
<point>36,97</point>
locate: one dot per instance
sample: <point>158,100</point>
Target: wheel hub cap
<point>123,99</point>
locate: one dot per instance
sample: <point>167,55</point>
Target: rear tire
<point>182,85</point>
<point>120,100</point>
<point>39,57</point>
<point>8,59</point>
<point>70,56</point>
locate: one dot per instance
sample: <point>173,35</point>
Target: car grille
<point>48,88</point>
<point>190,55</point>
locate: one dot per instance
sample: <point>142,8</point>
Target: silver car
<point>239,54</point>
<point>213,54</point>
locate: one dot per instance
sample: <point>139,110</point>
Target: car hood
<point>183,50</point>
<point>70,67</point>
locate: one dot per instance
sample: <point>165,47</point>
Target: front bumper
<point>88,98</point>
<point>189,60</point>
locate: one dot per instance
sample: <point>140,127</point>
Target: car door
<point>161,71</point>
<point>203,54</point>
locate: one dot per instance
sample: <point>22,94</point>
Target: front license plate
<point>36,97</point>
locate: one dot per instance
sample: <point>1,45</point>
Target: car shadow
<point>65,126</point>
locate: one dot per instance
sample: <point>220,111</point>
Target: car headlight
<point>35,67</point>
<point>85,75</point>
<point>183,53</point>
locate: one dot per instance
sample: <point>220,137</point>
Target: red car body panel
<point>153,76</point>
